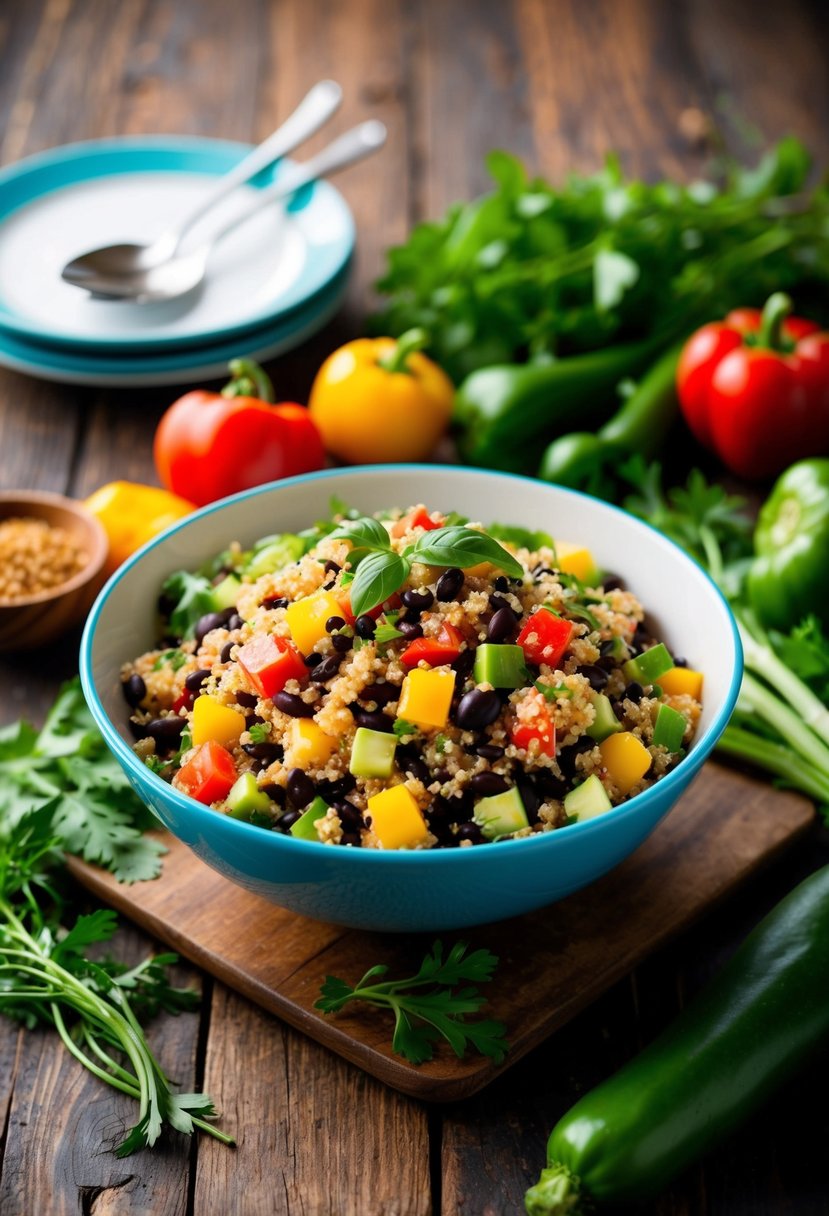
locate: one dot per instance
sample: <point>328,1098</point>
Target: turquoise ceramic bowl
<point>440,889</point>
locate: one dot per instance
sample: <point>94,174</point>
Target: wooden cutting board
<point>552,962</point>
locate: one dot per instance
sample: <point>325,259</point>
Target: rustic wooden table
<point>559,82</point>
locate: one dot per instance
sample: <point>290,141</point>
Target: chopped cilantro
<point>402,728</point>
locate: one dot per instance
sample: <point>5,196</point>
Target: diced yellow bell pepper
<point>626,759</point>
<point>309,746</point>
<point>307,617</point>
<point>576,560</point>
<point>396,819</point>
<point>427,696</point>
<point>681,681</point>
<point>216,722</point>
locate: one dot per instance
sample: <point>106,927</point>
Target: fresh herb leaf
<point>259,732</point>
<point>522,538</point>
<point>584,614</point>
<point>463,547</point>
<point>364,533</point>
<point>403,729</point>
<point>378,576</point>
<point>384,634</point>
<point>172,658</point>
<point>551,691</point>
<point>440,744</point>
<point>429,1006</point>
<point>192,597</point>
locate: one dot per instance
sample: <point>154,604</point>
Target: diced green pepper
<point>669,728</point>
<point>605,722</point>
<point>226,592</point>
<point>588,799</point>
<point>647,667</point>
<point>305,826</point>
<point>372,753</point>
<point>246,798</point>
<point>502,666</point>
<point>501,814</point>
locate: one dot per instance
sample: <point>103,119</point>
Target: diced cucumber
<point>588,799</point>
<point>501,814</point>
<point>669,728</point>
<point>502,666</point>
<point>226,593</point>
<point>647,667</point>
<point>605,723</point>
<point>280,551</point>
<point>305,827</point>
<point>372,753</point>
<point>246,798</point>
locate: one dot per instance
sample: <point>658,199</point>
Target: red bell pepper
<point>755,388</point>
<point>209,774</point>
<point>537,732</point>
<point>343,598</point>
<point>269,663</point>
<point>419,518</point>
<point>208,445</point>
<point>436,651</point>
<point>545,637</point>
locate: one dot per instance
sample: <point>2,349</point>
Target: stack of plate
<point>270,284</point>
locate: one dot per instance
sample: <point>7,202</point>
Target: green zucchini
<point>748,1031</point>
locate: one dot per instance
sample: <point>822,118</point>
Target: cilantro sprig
<point>380,570</point>
<point>430,1005</point>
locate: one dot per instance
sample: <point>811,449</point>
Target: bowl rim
<point>679,776</point>
<point>94,530</point>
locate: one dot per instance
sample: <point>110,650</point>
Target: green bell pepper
<point>789,577</point>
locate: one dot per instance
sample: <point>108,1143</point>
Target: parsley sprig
<point>380,570</point>
<point>430,1005</point>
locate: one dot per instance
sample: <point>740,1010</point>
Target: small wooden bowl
<point>36,620</point>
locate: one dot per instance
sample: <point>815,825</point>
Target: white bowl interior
<point>681,603</point>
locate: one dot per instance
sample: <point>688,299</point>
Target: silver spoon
<point>115,261</point>
<point>181,274</point>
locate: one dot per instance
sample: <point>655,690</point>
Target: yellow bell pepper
<point>427,696</point>
<point>681,681</point>
<point>576,560</point>
<point>377,399</point>
<point>307,617</point>
<point>626,759</point>
<point>132,514</point>
<point>216,722</point>
<point>396,819</point>
<point>309,746</point>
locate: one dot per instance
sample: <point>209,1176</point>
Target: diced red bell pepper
<point>344,600</point>
<point>437,651</point>
<point>209,774</point>
<point>538,730</point>
<point>545,637</point>
<point>184,701</point>
<point>269,663</point>
<point>419,518</point>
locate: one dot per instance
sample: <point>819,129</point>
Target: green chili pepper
<point>641,425</point>
<point>789,577</point>
<point>504,412</point>
<point>759,1020</point>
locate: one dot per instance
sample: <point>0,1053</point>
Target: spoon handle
<point>354,145</point>
<point>316,108</point>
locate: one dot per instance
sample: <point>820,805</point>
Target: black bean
<point>464,663</point>
<point>293,705</point>
<point>350,817</point>
<point>485,784</point>
<point>210,620</point>
<point>364,626</point>
<point>165,731</point>
<point>312,660</point>
<point>416,768</point>
<point>594,674</point>
<point>253,720</point>
<point>449,584</point>
<point>489,751</point>
<point>612,582</point>
<point>351,838</point>
<point>334,623</point>
<point>195,680</point>
<point>383,694</point>
<point>300,788</point>
<point>274,601</point>
<point>373,721</point>
<point>529,799</point>
<point>247,699</point>
<point>138,730</point>
<point>678,662</point>
<point>326,670</point>
<point>549,784</point>
<point>288,819</point>
<point>276,793</point>
<point>331,567</point>
<point>410,630</point>
<point>470,831</point>
<point>224,657</point>
<point>502,625</point>
<point>496,602</point>
<point>634,692</point>
<point>442,776</point>
<point>501,583</point>
<point>540,572</point>
<point>567,756</point>
<point>419,601</point>
<point>477,709</point>
<point>235,622</point>
<point>331,791</point>
<point>342,643</point>
<point>134,690</point>
<point>266,752</point>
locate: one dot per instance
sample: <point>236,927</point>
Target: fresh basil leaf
<point>463,547</point>
<point>378,576</point>
<point>522,538</point>
<point>364,533</point>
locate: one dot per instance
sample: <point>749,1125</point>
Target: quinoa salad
<point>408,680</point>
